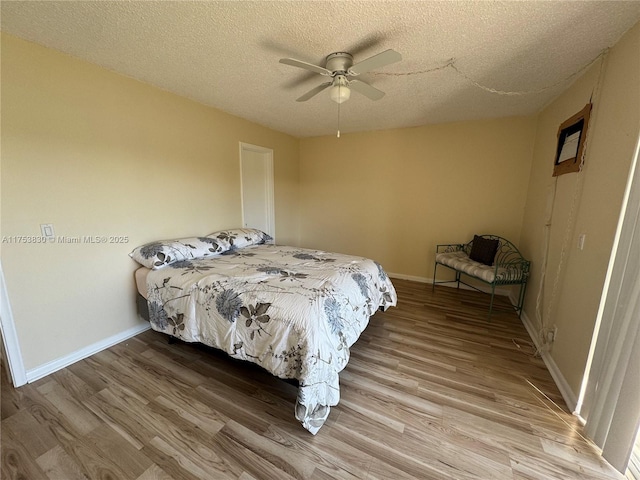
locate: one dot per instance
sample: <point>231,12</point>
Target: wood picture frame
<point>571,136</point>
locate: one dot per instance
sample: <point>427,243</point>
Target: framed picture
<point>571,136</point>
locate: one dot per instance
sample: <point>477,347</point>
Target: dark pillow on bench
<point>483,250</point>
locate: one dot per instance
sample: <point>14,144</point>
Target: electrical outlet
<point>550,334</point>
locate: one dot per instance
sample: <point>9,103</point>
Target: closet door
<point>256,173</point>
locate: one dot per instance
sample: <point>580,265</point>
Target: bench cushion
<point>460,261</point>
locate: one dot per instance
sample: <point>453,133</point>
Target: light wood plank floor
<point>432,391</point>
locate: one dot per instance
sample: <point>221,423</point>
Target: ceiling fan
<point>339,66</point>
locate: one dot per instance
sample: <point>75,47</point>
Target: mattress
<point>141,281</point>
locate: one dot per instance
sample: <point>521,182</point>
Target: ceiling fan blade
<point>313,92</point>
<point>366,89</point>
<point>377,61</point>
<point>307,66</point>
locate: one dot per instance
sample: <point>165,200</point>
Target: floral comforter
<point>293,311</point>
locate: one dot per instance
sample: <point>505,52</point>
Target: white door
<point>10,344</point>
<point>256,174</point>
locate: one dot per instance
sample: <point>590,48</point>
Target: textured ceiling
<point>225,53</point>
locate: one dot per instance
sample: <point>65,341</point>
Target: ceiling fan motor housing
<point>339,63</point>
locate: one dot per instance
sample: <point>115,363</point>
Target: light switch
<point>47,230</point>
<point>581,238</point>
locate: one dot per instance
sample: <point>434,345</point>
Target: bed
<point>293,311</point>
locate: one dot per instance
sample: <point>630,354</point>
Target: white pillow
<point>240,237</point>
<point>156,255</point>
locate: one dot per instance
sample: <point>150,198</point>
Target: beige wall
<point>598,191</point>
<point>393,195</point>
<point>97,153</point>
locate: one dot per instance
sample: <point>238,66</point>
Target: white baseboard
<point>570,398</point>
<point>60,363</point>
<point>401,276</point>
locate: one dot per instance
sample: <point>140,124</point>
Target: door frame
<point>10,337</point>
<point>269,183</point>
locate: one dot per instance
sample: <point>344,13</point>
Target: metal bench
<point>508,268</point>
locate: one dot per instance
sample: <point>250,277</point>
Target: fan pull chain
<point>340,87</point>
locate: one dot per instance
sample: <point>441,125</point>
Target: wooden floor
<point>432,391</point>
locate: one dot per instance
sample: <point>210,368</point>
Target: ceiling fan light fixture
<point>339,93</point>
